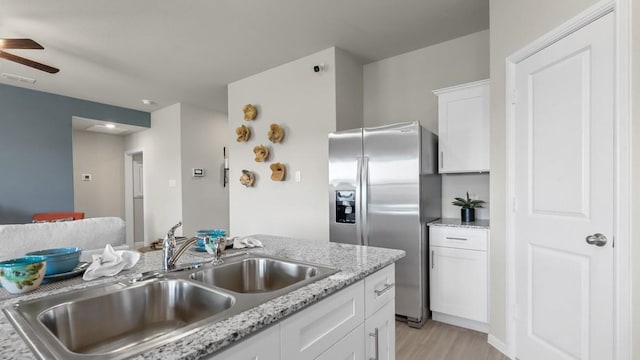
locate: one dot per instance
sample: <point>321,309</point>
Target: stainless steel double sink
<point>121,319</point>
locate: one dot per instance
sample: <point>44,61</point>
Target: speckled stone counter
<point>478,224</point>
<point>355,263</point>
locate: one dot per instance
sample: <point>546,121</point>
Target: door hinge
<point>613,242</point>
<point>514,96</point>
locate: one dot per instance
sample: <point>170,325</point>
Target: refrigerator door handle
<point>358,201</point>
<point>364,207</point>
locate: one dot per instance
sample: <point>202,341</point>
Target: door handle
<point>374,334</point>
<point>387,287</point>
<point>596,239</point>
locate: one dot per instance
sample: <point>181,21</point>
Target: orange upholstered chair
<point>55,216</point>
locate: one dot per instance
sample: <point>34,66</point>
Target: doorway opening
<point>134,197</point>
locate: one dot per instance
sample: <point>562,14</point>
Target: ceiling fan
<point>24,44</point>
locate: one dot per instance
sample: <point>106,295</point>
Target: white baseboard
<point>461,322</point>
<point>499,345</point>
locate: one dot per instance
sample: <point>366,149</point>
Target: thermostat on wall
<point>86,177</point>
<point>198,172</point>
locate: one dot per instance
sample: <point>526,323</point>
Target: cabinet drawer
<point>309,333</point>
<point>459,238</point>
<point>351,347</point>
<point>379,289</point>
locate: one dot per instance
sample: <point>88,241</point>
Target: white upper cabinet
<point>463,121</point>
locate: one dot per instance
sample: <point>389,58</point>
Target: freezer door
<point>345,158</point>
<point>392,196</point>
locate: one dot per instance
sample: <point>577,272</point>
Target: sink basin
<point>256,275</point>
<point>119,321</point>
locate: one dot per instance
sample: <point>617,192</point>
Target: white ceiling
<point>119,52</point>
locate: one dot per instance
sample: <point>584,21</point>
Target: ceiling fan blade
<point>19,44</point>
<point>27,62</point>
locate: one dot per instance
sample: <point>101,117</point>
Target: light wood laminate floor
<point>438,341</point>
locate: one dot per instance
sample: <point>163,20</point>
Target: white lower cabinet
<point>351,347</point>
<point>334,328</point>
<point>458,277</point>
<point>262,346</point>
<point>380,331</point>
<point>310,332</point>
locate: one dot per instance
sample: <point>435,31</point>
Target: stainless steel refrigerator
<point>383,188</point>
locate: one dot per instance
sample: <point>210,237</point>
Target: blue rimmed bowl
<point>211,233</point>
<point>59,260</point>
<point>23,274</point>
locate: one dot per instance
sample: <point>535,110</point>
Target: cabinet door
<point>458,281</point>
<point>312,331</point>
<point>463,114</point>
<point>351,347</point>
<point>262,346</point>
<point>380,333</point>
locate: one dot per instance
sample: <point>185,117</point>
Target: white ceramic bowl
<point>23,274</point>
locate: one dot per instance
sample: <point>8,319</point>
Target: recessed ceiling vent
<point>15,77</point>
<point>106,129</point>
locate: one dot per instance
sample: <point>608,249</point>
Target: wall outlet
<point>86,177</point>
<point>198,172</point>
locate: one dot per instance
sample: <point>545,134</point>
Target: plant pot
<point>468,214</point>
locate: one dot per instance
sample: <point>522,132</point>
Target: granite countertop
<point>451,222</point>
<point>355,263</point>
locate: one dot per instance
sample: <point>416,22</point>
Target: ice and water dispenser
<point>346,206</point>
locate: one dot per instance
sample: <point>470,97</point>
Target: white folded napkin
<point>247,242</point>
<point>110,263</point>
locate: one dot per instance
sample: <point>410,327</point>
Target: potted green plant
<point>468,207</point>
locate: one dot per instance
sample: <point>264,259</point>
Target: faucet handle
<point>173,229</point>
<point>215,247</point>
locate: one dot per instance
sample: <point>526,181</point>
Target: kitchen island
<point>354,262</point>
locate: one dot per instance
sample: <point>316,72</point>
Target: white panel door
<point>564,187</point>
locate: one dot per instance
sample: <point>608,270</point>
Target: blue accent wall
<point>36,153</point>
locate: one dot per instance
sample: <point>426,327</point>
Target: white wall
<point>513,24</point>
<point>635,175</point>
<point>162,171</point>
<point>457,185</point>
<point>400,89</point>
<point>101,156</point>
<point>205,201</point>
<point>304,103</point>
<point>349,92</point>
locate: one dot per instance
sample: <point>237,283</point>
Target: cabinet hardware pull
<point>441,159</point>
<point>387,287</point>
<point>432,261</point>
<point>374,334</point>
<point>456,238</point>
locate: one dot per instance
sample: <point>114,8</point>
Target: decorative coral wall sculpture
<point>247,178</point>
<point>244,133</point>
<point>262,153</point>
<point>277,171</point>
<point>275,133</point>
<point>250,112</point>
